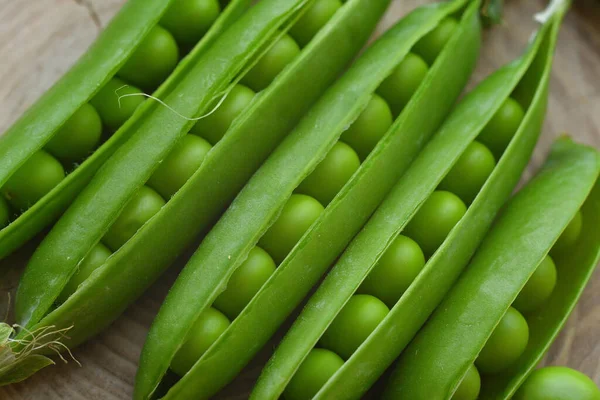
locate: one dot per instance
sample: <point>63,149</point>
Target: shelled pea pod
<point>518,291</point>
<point>50,154</point>
<point>304,205</point>
<point>121,234</point>
<point>411,251</point>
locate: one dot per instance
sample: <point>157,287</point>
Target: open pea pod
<point>527,79</point>
<point>58,106</point>
<point>437,360</point>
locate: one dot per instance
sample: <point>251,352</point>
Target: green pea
<point>297,216</point>
<point>470,172</point>
<point>245,282</point>
<point>569,236</point>
<point>78,137</point>
<point>106,102</point>
<point>214,126</point>
<point>316,369</point>
<point>538,288</point>
<point>272,63</point>
<point>557,383</point>
<point>189,20</point>
<point>332,173</point>
<point>179,166</point>
<point>395,271</point>
<point>353,325</point>
<point>153,60</point>
<point>370,126</point>
<point>315,18</point>
<point>505,345</point>
<point>499,131</point>
<point>435,219</point>
<point>469,386</point>
<point>4,213</point>
<point>398,88</point>
<point>206,330</point>
<point>33,180</point>
<point>432,44</point>
<point>143,205</point>
<point>95,258</point>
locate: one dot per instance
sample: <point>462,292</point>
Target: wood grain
<point>40,39</point>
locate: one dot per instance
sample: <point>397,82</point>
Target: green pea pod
<point>259,203</point>
<point>38,125</point>
<point>529,226</point>
<point>527,76</point>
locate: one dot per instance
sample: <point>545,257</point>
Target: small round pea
<point>206,330</point>
<point>106,103</point>
<point>395,271</point>
<point>153,60</point>
<point>398,88</point>
<point>538,288</point>
<point>179,166</point>
<point>332,173</point>
<point>78,137</point>
<point>469,387</point>
<point>311,22</point>
<point>189,20</point>
<point>95,258</point>
<point>297,216</point>
<point>435,219</point>
<point>245,282</point>
<point>557,383</point>
<point>470,172</point>
<point>316,369</point>
<point>271,64</point>
<point>569,236</point>
<point>33,180</point>
<point>142,206</point>
<point>353,325</point>
<point>214,126</point>
<point>431,45</point>
<point>499,131</point>
<point>505,345</point>
<point>4,213</point>
<point>370,126</point>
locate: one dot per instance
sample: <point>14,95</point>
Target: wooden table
<point>40,39</point>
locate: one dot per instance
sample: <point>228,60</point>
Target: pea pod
<point>370,347</point>
<point>521,238</point>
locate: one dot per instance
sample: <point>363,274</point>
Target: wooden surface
<point>40,39</point>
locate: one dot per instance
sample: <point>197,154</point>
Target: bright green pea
<point>297,216</point>
<point>153,60</point>
<point>538,288</point>
<point>332,173</point>
<point>245,282</point>
<point>179,166</point>
<point>469,386</point>
<point>189,20</point>
<point>353,325</point>
<point>78,137</point>
<point>206,330</point>
<point>505,345</point>
<point>470,172</point>
<point>214,126</point>
<point>499,131</point>
<point>106,103</point>
<point>316,369</point>
<point>311,22</point>
<point>4,213</point>
<point>558,383</point>
<point>143,205</point>
<point>431,45</point>
<point>370,126</point>
<point>398,88</point>
<point>435,219</point>
<point>395,271</point>
<point>272,63</point>
<point>569,236</point>
<point>33,180</point>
